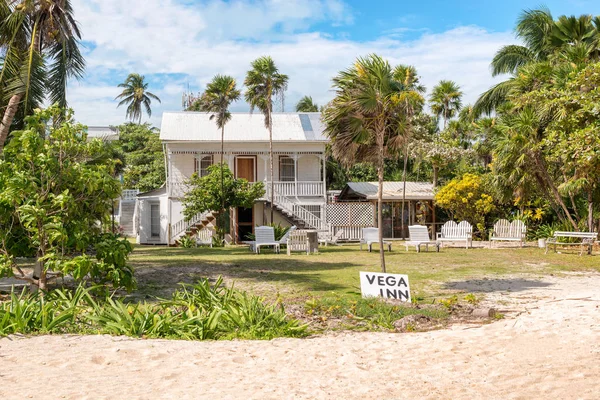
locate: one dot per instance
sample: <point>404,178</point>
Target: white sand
<point>548,348</point>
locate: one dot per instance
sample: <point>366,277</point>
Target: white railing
<point>289,189</point>
<point>129,195</point>
<point>310,219</point>
<point>181,226</point>
<point>300,188</point>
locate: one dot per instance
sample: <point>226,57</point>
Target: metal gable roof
<point>391,190</point>
<point>243,127</point>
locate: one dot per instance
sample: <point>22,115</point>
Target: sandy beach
<point>547,346</point>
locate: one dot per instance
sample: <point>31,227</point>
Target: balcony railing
<point>288,189</point>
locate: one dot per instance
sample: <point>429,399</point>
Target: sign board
<point>389,286</point>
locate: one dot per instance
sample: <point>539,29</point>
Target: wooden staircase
<point>206,222</point>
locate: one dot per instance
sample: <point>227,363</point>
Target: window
<point>202,163</point>
<point>287,169</point>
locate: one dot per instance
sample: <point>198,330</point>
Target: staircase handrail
<point>182,225</point>
<point>288,205</point>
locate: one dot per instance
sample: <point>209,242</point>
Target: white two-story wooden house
<point>192,142</point>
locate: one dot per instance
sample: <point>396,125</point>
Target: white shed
<point>151,218</point>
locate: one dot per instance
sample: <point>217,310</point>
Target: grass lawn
<point>334,271</point>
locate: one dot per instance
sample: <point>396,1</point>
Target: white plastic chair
<point>265,236</point>
<point>370,236</point>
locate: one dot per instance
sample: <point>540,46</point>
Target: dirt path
<point>548,347</point>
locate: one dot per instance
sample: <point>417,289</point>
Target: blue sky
<point>183,43</point>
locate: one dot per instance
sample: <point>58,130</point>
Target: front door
<point>245,168</point>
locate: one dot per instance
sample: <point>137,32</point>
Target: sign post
<point>389,286</point>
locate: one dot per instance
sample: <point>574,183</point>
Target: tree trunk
<point>271,161</point>
<point>550,183</point>
<point>573,204</point>
<point>404,189</point>
<point>7,119</point>
<point>221,221</point>
<point>590,199</point>
<point>380,169</point>
<point>435,182</point>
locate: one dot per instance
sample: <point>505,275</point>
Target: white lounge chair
<point>326,237</point>
<point>370,236</point>
<point>509,231</point>
<point>204,237</point>
<point>265,236</point>
<point>297,241</point>
<point>453,232</point>
<point>419,235</point>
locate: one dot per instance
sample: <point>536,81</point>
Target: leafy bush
<point>195,312</point>
<point>187,242</point>
<point>545,231</point>
<point>467,199</point>
<point>57,193</point>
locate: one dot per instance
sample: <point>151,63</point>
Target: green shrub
<point>195,312</point>
<point>187,242</point>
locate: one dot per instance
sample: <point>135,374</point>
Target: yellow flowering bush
<point>466,199</point>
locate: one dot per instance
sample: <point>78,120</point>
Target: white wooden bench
<point>204,237</point>
<point>453,232</point>
<point>508,231</point>
<point>587,240</point>
<point>297,241</point>
<point>418,236</point>
<point>370,236</point>
<point>284,238</point>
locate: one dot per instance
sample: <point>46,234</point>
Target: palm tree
<point>216,99</point>
<point>543,39</point>
<point>39,43</point>
<point>362,120</point>
<point>446,100</point>
<point>263,82</point>
<point>306,104</point>
<point>135,93</point>
<point>519,158</point>
<point>413,102</point>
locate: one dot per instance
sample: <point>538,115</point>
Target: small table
<point>313,241</point>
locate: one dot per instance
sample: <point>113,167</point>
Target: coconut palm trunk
<point>403,225</point>
<point>269,116</point>
<point>380,170</point>
<point>9,116</point>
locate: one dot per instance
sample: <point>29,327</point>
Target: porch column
<point>266,182</point>
<point>230,160</point>
<point>324,161</point>
<point>295,158</point>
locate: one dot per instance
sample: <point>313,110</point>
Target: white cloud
<point>196,42</point>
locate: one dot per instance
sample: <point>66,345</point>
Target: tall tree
<point>39,43</point>
<point>412,100</point>
<point>362,120</point>
<point>263,82</point>
<point>571,39</point>
<point>135,94</point>
<point>306,104</point>
<point>216,99</point>
<point>446,100</point>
